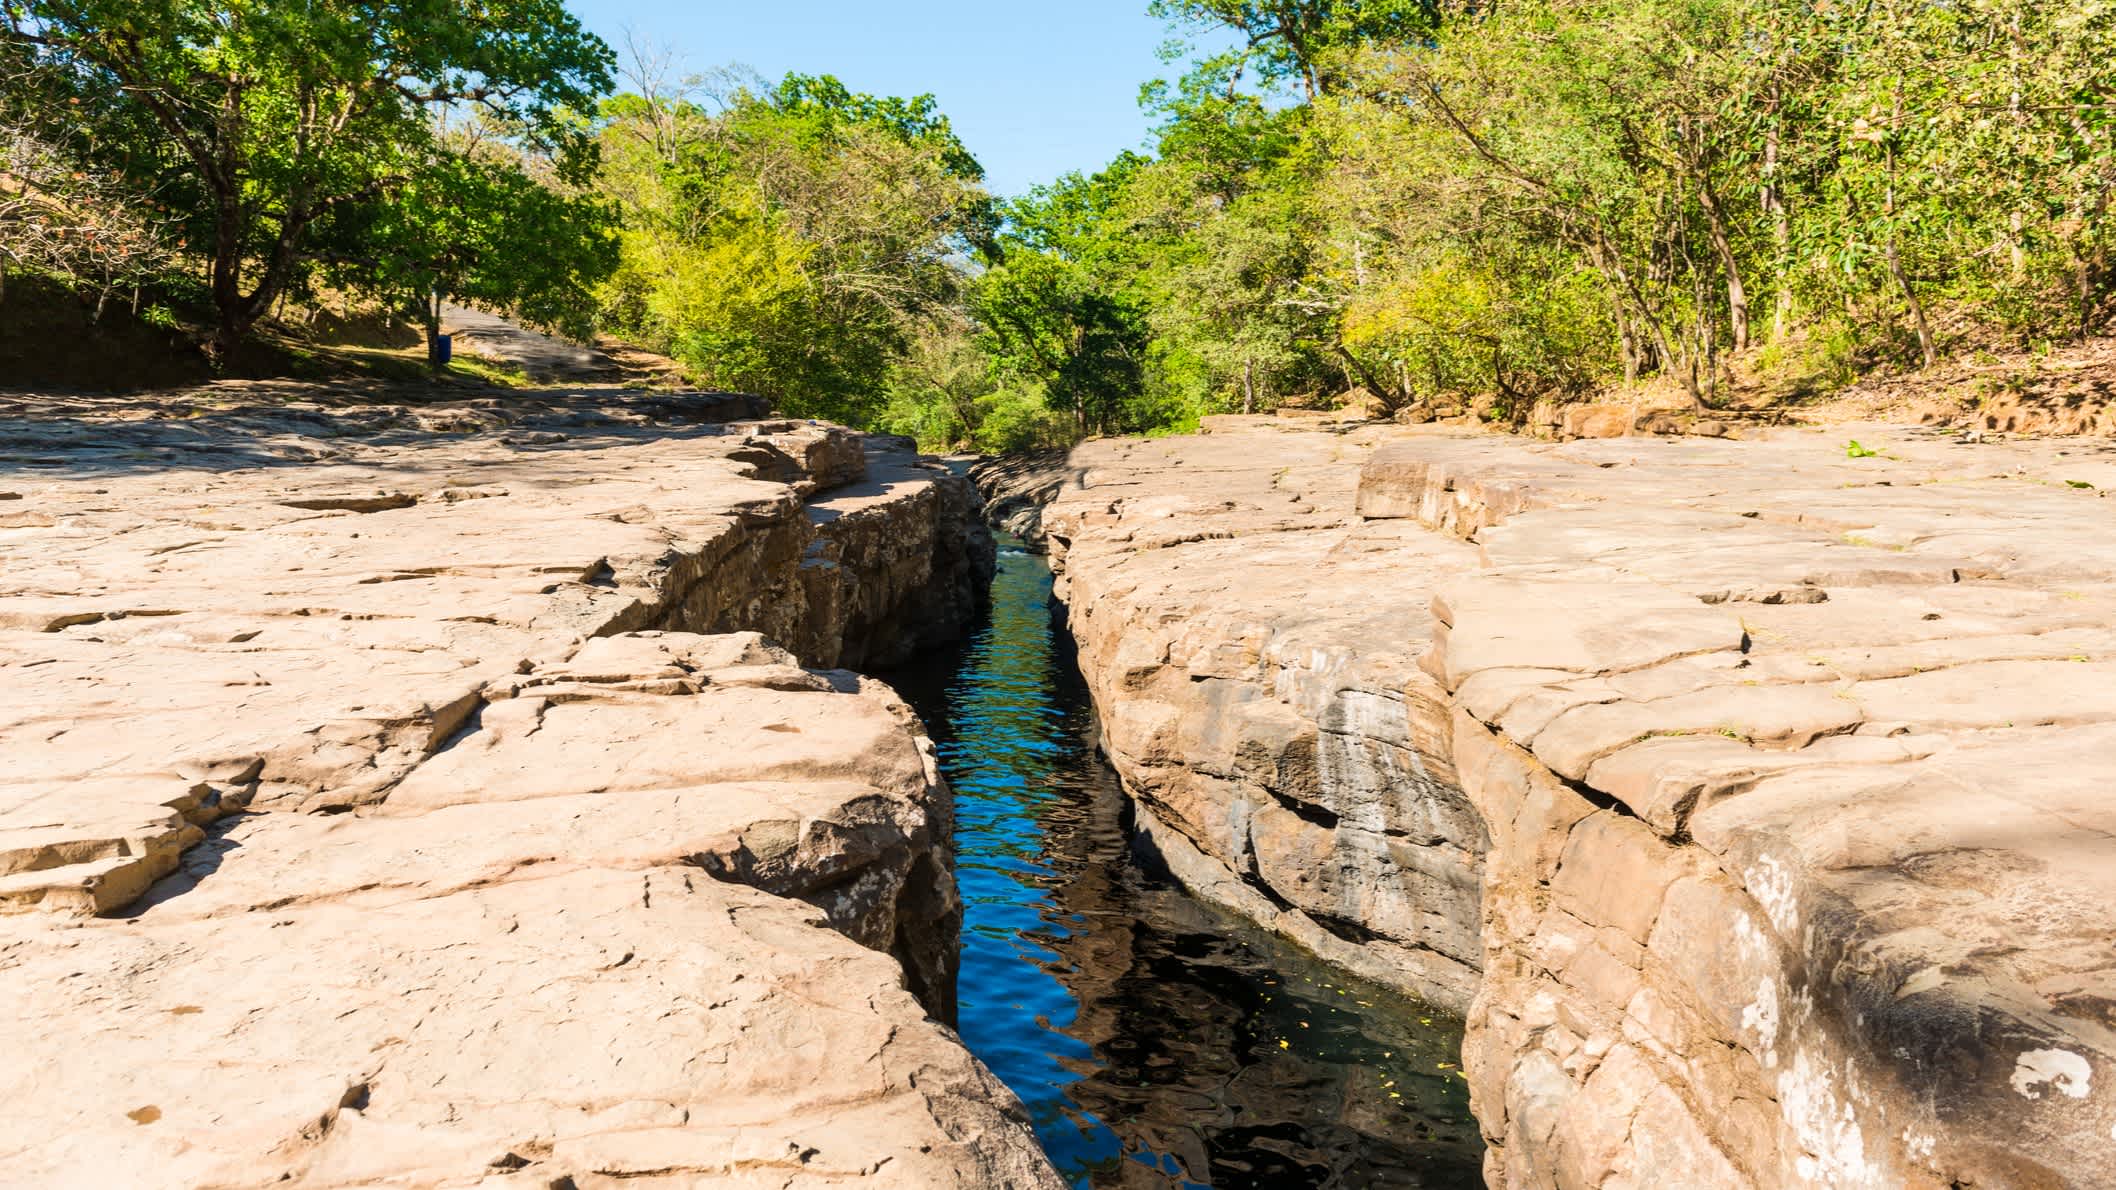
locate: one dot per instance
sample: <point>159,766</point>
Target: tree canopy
<point>1423,205</point>
<point>797,240</point>
<point>1451,205</point>
<point>270,118</point>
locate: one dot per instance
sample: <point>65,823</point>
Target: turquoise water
<point>1157,1042</point>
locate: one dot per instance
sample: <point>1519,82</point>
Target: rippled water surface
<point>1156,1041</point>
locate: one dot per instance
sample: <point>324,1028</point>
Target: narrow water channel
<point>1156,1041</point>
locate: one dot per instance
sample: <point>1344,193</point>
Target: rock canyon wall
<point>1752,798</point>
<point>427,791</point>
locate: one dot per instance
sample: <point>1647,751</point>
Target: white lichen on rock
<point>2061,1071</point>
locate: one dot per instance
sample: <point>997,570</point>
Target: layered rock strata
<point>1757,792</point>
<point>1252,646</point>
<point>1016,489</point>
<point>420,793</point>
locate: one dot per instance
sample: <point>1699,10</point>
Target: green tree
<point>1448,292</point>
<point>1303,40</point>
<point>797,241</point>
<point>1496,206</point>
<point>281,114</point>
<point>1236,299</point>
<point>471,224</point>
<point>1059,317</point>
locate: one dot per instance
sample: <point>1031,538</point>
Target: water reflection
<point>1157,1042</point>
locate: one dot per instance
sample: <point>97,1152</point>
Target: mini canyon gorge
<point>416,791</point>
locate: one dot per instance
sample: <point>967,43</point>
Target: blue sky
<point>1033,89</point>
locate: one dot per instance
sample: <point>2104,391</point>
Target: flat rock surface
<point>1800,757</point>
<point>396,795</point>
<point>1877,693</point>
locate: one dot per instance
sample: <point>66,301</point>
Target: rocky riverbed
<point>1751,795</point>
<point>412,790</point>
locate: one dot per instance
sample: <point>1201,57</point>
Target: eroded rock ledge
<point>1757,794</point>
<point>452,815</point>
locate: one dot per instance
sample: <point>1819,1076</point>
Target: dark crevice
<point>1255,880</point>
<point>1124,1011</point>
<point>1593,796</point>
<point>1308,812</point>
<point>925,908</point>
<point>1347,930</point>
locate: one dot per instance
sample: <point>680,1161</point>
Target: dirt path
<point>545,358</point>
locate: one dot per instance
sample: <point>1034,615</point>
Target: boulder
<point>1597,420</point>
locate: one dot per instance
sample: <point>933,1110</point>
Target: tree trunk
<point>1654,349</point>
<point>227,279</point>
<point>1514,405</point>
<point>233,328</point>
<point>2092,266</point>
<point>1684,364</point>
<point>1248,386</point>
<point>1781,236</point>
<point>1711,341</point>
<point>1626,331</point>
<point>1679,355</point>
<point>430,309</point>
<point>239,312</point>
<point>1661,352</point>
<point>2016,224</point>
<point>1910,297</point>
<point>1390,403</point>
<point>1895,258</point>
<point>224,178</point>
<point>1723,244</point>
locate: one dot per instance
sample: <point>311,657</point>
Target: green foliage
<point>1853,450</point>
<point>1433,203</point>
<point>471,225</point>
<point>1485,207</point>
<point>266,120</point>
<point>1303,41</point>
<point>799,241</point>
<point>1013,419</point>
<point>1160,289</point>
<point>832,115</point>
<point>1052,321</point>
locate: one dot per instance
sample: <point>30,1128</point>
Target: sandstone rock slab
<point>1775,774</point>
<point>434,793</point>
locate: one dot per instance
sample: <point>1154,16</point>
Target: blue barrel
<point>441,350</point>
